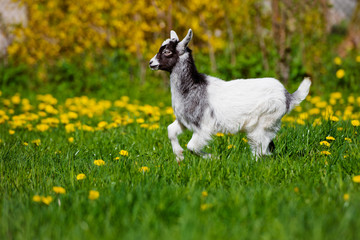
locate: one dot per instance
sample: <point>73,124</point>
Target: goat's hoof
<point>179,158</point>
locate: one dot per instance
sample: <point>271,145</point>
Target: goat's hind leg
<point>197,142</point>
<point>174,130</point>
<point>261,142</point>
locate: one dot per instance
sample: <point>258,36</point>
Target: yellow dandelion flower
<point>93,195</point>
<point>36,198</point>
<point>357,59</point>
<point>330,138</point>
<point>102,124</point>
<point>25,143</point>
<point>80,176</point>
<point>337,61</point>
<point>205,206</point>
<point>59,190</point>
<point>71,139</point>
<point>124,153</point>
<point>346,197</point>
<point>314,111</point>
<point>37,142</point>
<point>340,129</point>
<point>244,140</point>
<point>348,139</point>
<point>326,153</point>
<point>355,123</point>
<point>117,158</point>
<point>144,169</point>
<point>140,120</point>
<point>70,128</point>
<point>11,132</point>
<point>230,146</point>
<point>204,194</point>
<point>340,73</point>
<point>220,135</point>
<point>99,162</point>
<point>356,179</point>
<point>47,200</point>
<point>334,118</point>
<point>325,143</point>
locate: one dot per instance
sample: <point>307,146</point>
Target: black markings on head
<point>168,56</point>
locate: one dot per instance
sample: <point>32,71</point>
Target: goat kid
<point>207,105</point>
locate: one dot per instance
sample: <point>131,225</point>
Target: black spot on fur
<point>272,147</point>
<point>288,99</point>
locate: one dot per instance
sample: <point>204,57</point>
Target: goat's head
<point>170,51</point>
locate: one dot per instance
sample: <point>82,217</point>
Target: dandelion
<point>124,153</point>
<point>47,200</point>
<point>25,143</point>
<point>70,128</point>
<point>37,142</point>
<point>346,197</point>
<point>99,162</point>
<point>102,124</point>
<point>334,118</point>
<point>36,198</point>
<point>220,134</point>
<point>71,139</point>
<point>231,146</point>
<point>330,138</point>
<point>117,158</point>
<point>93,195</point>
<point>59,190</point>
<point>340,73</point>
<point>355,123</point>
<point>356,179</point>
<point>244,140</point>
<point>140,120</point>
<point>348,139</point>
<point>358,59</point>
<point>205,206</point>
<point>144,169</point>
<point>340,128</point>
<point>204,193</point>
<point>325,143</point>
<point>326,153</point>
<point>337,61</point>
<point>11,132</point>
<point>80,176</point>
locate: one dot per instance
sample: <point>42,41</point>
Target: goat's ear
<point>173,35</point>
<point>184,43</point>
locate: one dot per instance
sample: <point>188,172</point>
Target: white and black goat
<point>207,105</point>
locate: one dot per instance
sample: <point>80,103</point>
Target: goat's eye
<point>167,52</point>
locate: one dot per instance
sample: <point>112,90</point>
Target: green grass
<point>295,194</point>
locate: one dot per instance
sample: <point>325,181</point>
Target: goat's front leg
<point>174,130</point>
<point>197,142</point>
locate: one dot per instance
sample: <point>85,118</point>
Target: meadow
<point>87,168</point>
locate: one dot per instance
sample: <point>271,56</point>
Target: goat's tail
<point>300,94</point>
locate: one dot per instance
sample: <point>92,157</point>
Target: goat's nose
<point>151,61</point>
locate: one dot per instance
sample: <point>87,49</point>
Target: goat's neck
<point>184,77</point>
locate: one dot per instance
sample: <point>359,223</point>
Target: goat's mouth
<point>154,67</point>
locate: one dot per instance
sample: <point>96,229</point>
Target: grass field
<point>53,185</point>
